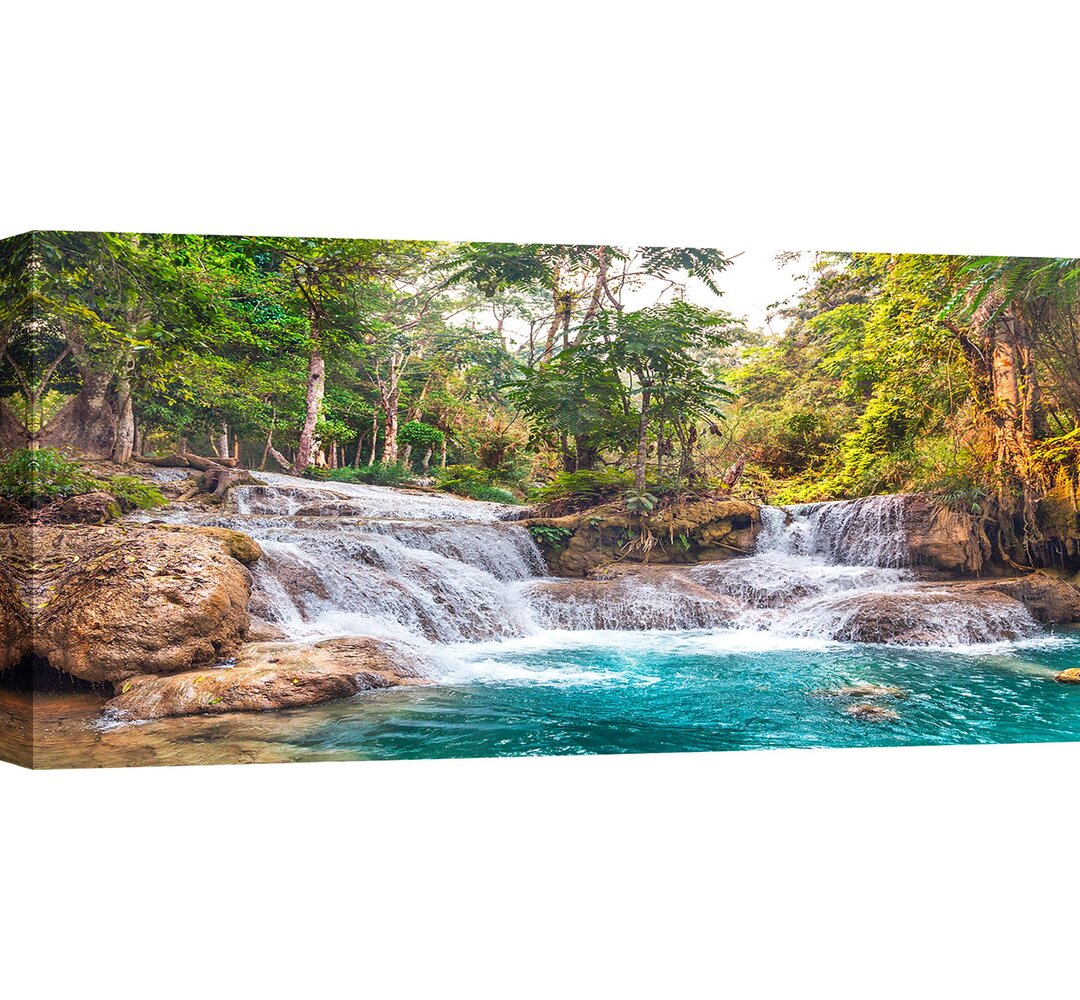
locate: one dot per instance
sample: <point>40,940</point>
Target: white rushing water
<point>449,573</point>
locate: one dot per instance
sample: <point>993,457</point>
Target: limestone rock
<point>115,601</point>
<point>1070,675</point>
<point>268,676</point>
<point>98,507</point>
<point>942,538</point>
<point>1050,600</point>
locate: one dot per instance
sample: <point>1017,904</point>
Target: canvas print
<point>285,499</point>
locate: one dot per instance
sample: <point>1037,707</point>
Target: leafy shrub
<point>585,488</point>
<point>419,435</point>
<point>493,494</point>
<point>550,535</point>
<point>38,477</point>
<point>35,478</point>
<point>454,478</point>
<point>134,494</point>
<point>376,474</point>
<point>469,481</point>
<point>640,502</point>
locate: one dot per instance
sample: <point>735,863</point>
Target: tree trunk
<point>359,449</point>
<point>642,442</point>
<point>124,441</point>
<point>222,448</point>
<point>585,455</point>
<point>316,388</point>
<point>442,453</point>
<point>425,463</point>
<point>1001,354</point>
<point>374,438</point>
<point>86,423</point>
<point>390,445</point>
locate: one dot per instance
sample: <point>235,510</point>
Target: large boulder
<point>271,675</point>
<point>114,601</point>
<point>98,507</point>
<point>694,531</point>
<point>648,598</point>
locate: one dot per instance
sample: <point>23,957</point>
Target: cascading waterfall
<point>342,559</point>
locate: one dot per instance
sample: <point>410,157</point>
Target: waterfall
<point>431,568</point>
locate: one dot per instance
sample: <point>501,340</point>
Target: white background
<point>908,873</point>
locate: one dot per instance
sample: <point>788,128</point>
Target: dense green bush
<point>376,474</point>
<point>34,478</point>
<point>419,435</point>
<point>492,494</point>
<point>586,487</point>
<point>469,481</point>
<point>550,535</point>
<point>134,494</point>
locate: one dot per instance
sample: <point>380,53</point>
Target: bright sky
<point>752,284</point>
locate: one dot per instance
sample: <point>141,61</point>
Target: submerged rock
<point>1070,675</point>
<point>645,598</point>
<point>111,602</point>
<point>871,713</point>
<point>268,676</point>
<point>863,691</point>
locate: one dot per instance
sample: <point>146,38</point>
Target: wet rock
<point>269,676</point>
<point>119,600</point>
<point>863,691</point>
<point>871,713</point>
<point>241,547</point>
<point>634,598</point>
<point>922,616</point>
<point>1071,675</point>
<point>261,631</point>
<point>1050,600</point>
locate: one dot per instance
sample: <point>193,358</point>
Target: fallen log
<point>162,461</point>
<point>185,461</point>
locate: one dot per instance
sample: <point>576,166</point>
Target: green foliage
<point>640,501</point>
<point>492,494</point>
<point>469,481</point>
<point>34,478</point>
<point>585,487</point>
<point>376,474</point>
<point>135,494</point>
<point>419,434</point>
<point>550,535</point>
<point>38,477</point>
